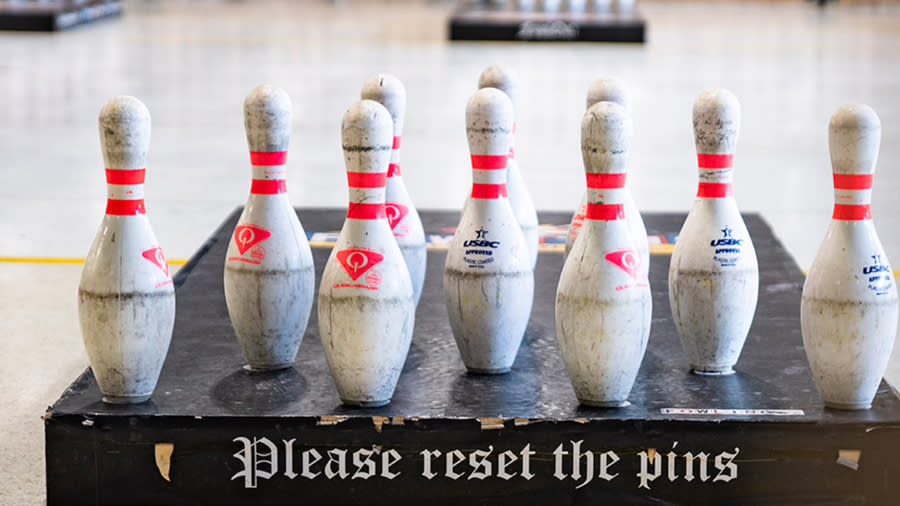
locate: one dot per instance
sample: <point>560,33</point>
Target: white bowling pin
<point>126,301</point>
<point>504,79</point>
<point>488,276</point>
<point>269,274</point>
<point>603,302</point>
<point>848,312</point>
<point>401,212</point>
<point>713,276</point>
<point>608,89</point>
<point>366,305</point>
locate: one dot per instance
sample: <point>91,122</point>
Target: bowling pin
<point>269,274</point>
<point>126,301</point>
<point>603,302</point>
<point>613,90</point>
<point>713,275</point>
<point>505,80</point>
<point>401,213</point>
<point>488,277</point>
<point>366,304</point>
<point>848,312</point>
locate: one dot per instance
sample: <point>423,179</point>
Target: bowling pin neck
<point>268,172</point>
<point>125,192</point>
<point>852,196</point>
<point>605,196</point>
<point>489,176</point>
<point>512,143</point>
<point>366,195</point>
<point>394,167</point>
<point>715,175</point>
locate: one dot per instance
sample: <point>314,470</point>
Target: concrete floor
<point>790,64</point>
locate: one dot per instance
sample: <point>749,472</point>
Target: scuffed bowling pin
<point>488,277</point>
<point>603,302</point>
<point>607,89</point>
<point>848,312</point>
<point>269,274</point>
<point>505,80</point>
<point>713,276</point>
<point>126,301</point>
<point>366,306</point>
<point>401,213</point>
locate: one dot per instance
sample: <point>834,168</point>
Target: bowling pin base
<point>366,404</point>
<point>126,399</point>
<point>605,404</point>
<point>265,368</point>
<point>501,370</point>
<point>848,406</point>
<point>712,371</point>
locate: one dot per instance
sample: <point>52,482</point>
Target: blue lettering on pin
<point>882,283</point>
<point>475,247</point>
<point>728,255</point>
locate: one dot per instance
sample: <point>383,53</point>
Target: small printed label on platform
<point>732,412</point>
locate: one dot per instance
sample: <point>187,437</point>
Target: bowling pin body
<point>603,301</point>
<point>713,275</point>
<point>366,300</point>
<point>401,212</point>
<point>126,300</point>
<point>269,274</point>
<point>488,275</point>
<point>848,312</point>
<point>503,78</point>
<point>607,89</point>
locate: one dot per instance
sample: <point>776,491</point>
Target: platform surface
<point>767,418</point>
<point>475,22</point>
<point>53,15</point>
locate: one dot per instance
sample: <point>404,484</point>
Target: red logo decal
<point>156,256</point>
<point>395,213</point>
<point>628,260</point>
<point>245,236</point>
<point>357,261</point>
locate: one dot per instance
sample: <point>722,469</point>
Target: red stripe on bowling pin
<point>368,186</point>
<point>127,183</point>
<point>394,168</point>
<point>852,212</point>
<point>715,175</point>
<point>366,211</point>
<point>604,212</point>
<point>613,180</point>
<point>268,158</point>
<point>116,207</point>
<point>852,194</point>
<point>714,161</point>
<point>489,176</point>
<point>117,176</point>
<point>488,191</point>
<point>268,181</point>
<point>714,190</point>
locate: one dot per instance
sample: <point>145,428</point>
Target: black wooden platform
<point>55,15</point>
<point>214,434</point>
<point>480,22</point>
